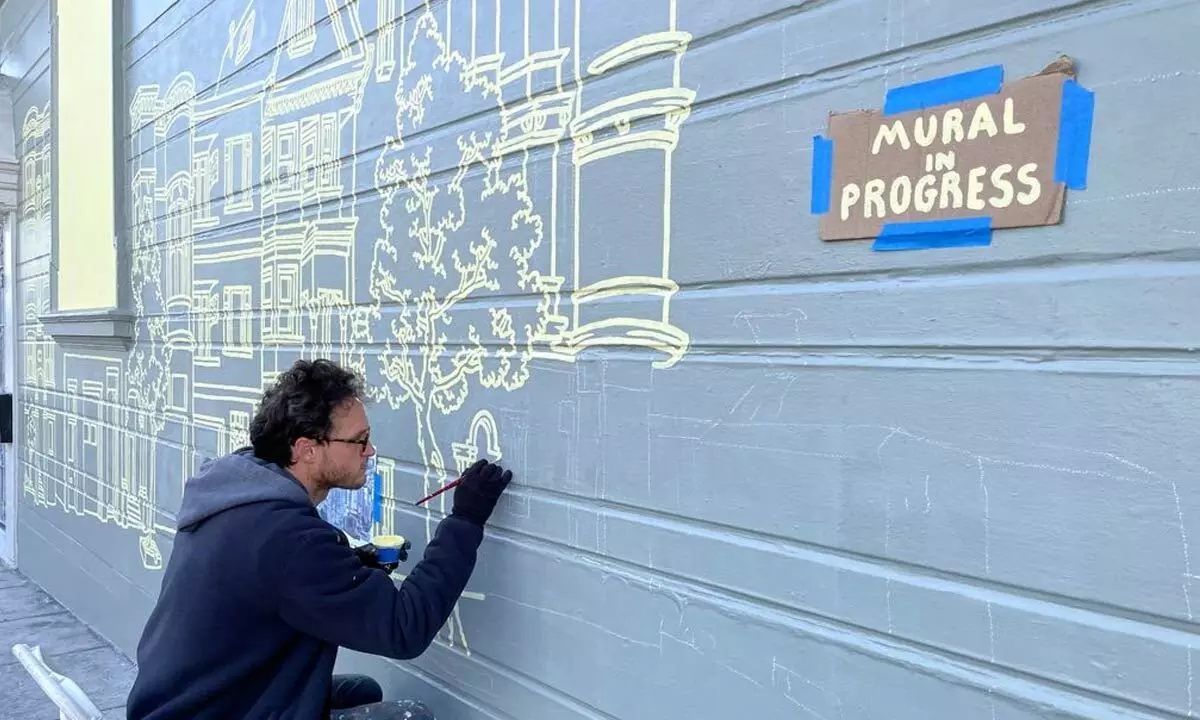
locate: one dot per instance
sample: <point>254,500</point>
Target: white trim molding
<point>8,351</point>
<point>10,167</point>
<point>10,197</point>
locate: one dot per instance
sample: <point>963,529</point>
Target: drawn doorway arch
<point>465,453</point>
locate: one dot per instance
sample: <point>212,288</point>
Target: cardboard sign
<point>960,153</point>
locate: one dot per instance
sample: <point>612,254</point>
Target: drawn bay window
<point>90,297</point>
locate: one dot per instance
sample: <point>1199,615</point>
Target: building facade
<point>758,474</point>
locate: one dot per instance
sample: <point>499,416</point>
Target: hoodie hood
<point>236,479</point>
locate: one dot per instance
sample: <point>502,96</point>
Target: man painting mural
<point>260,591</point>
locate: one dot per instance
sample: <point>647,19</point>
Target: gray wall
<point>819,482</point>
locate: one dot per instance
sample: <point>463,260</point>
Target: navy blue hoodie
<point>260,592</point>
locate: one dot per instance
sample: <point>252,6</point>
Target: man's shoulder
<point>269,523</point>
<point>289,522</point>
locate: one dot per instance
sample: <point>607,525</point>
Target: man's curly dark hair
<point>300,405</point>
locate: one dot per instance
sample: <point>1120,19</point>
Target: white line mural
<point>489,245</point>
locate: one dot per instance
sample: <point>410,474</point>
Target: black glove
<point>476,496</point>
<point>369,556</point>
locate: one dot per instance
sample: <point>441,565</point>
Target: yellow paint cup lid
<point>388,541</point>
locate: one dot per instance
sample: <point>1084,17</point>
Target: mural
<point>251,244</point>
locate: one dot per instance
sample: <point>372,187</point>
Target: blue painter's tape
<point>1074,135</point>
<point>377,508</point>
<point>943,90</point>
<point>964,232</point>
<point>822,174</point>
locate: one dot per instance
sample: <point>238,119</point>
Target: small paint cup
<point>388,547</point>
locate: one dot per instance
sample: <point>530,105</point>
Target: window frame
<point>92,327</point>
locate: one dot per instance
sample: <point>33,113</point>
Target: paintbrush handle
<point>432,495</point>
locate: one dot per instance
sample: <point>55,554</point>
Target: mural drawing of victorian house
<point>309,136</point>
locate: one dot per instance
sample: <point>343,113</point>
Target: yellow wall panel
<point>87,261</point>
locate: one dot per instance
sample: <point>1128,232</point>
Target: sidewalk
<point>28,615</point>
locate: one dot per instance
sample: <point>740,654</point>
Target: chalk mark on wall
<point>233,283</point>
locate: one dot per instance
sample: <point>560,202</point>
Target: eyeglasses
<point>362,442</point>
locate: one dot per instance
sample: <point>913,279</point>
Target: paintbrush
<point>432,495</point>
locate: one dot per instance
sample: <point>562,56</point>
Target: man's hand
<point>368,554</point>
<point>481,486</point>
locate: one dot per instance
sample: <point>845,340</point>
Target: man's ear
<point>303,449</point>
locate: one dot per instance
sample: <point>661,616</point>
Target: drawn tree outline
<point>416,363</point>
<point>427,238</point>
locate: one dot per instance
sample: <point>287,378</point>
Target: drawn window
<point>179,230</point>
<point>268,291</point>
<point>177,396</point>
<point>72,438</point>
<point>28,194</point>
<point>48,428</point>
<point>385,59</point>
<point>308,153</point>
<point>208,308</point>
<point>112,380</point>
<point>245,38</point>
<point>43,186</point>
<point>269,172</point>
<point>238,341</point>
<point>301,32</point>
<point>89,433</point>
<point>143,209</point>
<point>239,174</point>
<point>125,466</point>
<point>204,178</point>
<point>331,154</point>
<point>267,303</point>
<point>289,181</point>
<point>199,173</point>
<point>288,319</point>
<point>177,279</point>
